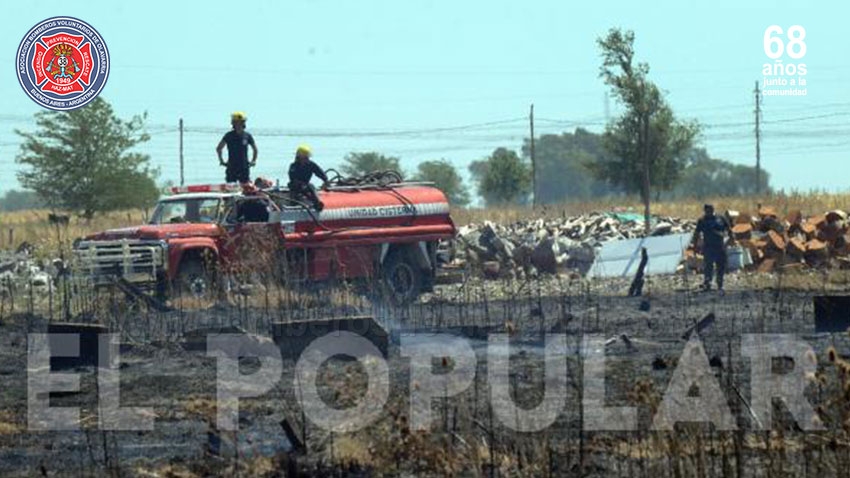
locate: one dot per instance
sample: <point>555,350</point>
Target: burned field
<point>165,368</point>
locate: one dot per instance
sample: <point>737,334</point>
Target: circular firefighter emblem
<point>62,63</point>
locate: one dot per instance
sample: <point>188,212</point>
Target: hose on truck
<point>373,180</point>
<point>376,180</point>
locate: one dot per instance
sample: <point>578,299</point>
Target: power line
<point>354,134</point>
<point>533,159</point>
<point>478,136</point>
<point>758,138</point>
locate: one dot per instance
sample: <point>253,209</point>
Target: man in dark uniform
<point>714,230</point>
<point>301,171</point>
<point>237,141</point>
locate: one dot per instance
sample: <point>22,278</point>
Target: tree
<point>84,160</point>
<point>15,200</point>
<point>563,171</point>
<point>706,177</point>
<point>502,178</point>
<point>446,178</point>
<point>360,164</point>
<point>648,142</point>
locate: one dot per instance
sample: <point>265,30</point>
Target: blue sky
<point>383,75</point>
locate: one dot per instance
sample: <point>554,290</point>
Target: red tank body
<point>354,226</point>
<point>358,215</point>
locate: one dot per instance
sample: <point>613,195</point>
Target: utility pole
<point>181,152</point>
<point>607,108</point>
<point>758,138</point>
<point>647,174</point>
<point>533,162</point>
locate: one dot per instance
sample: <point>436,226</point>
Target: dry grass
<point>257,466</point>
<point>165,471</point>
<point>809,203</point>
<point>200,407</point>
<point>9,424</point>
<point>352,449</point>
<point>34,228</point>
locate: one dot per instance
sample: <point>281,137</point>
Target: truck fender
<point>419,251</point>
<point>179,248</point>
<point>422,256</point>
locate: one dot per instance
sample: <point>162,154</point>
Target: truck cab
<point>201,234</point>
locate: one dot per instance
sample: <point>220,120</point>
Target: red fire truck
<point>201,234</point>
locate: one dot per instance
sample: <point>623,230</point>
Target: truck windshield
<point>196,211</point>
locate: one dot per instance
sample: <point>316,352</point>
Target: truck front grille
<point>134,260</point>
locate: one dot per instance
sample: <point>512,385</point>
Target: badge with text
<point>62,63</point>
<point>786,76</point>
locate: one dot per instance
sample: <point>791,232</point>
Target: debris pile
<point>20,271</point>
<point>551,245</point>
<point>769,242</point>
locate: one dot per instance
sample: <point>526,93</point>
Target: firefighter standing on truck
<point>237,141</point>
<point>301,171</point>
<point>714,230</point>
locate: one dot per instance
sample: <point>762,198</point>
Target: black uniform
<point>237,155</point>
<point>300,174</point>
<point>714,230</point>
<point>303,172</point>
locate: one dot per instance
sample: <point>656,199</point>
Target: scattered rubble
<point>19,270</point>
<point>769,242</point>
<point>764,242</point>
<point>551,246</point>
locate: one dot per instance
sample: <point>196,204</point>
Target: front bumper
<point>136,261</point>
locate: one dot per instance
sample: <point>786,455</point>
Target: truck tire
<point>402,278</point>
<point>162,288</point>
<point>195,279</point>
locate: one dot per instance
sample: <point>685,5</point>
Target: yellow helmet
<point>238,116</point>
<point>304,150</point>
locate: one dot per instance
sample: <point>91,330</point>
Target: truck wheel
<point>402,278</point>
<point>195,280</point>
<point>161,288</point>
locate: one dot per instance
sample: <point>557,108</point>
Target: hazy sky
<point>394,76</point>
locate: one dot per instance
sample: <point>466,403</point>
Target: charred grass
<point>465,438</point>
